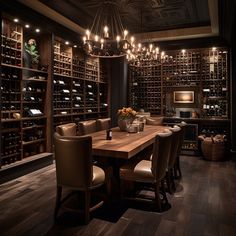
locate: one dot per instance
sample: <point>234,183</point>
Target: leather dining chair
<point>150,171</point>
<point>176,139</point>
<point>177,169</point>
<point>87,127</point>
<point>154,120</point>
<point>69,129</point>
<point>75,172</point>
<point>103,124</point>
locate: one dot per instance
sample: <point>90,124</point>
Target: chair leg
<point>164,192</point>
<point>168,181</point>
<point>87,206</point>
<point>58,201</point>
<point>172,180</point>
<point>177,170</point>
<point>157,197</point>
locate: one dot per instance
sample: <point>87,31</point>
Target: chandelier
<point>145,53</point>
<point>107,37</point>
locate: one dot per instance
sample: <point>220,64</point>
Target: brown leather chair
<point>150,171</point>
<point>103,124</point>
<point>74,170</point>
<point>87,127</point>
<point>176,138</point>
<point>154,120</point>
<point>69,129</point>
<point>177,169</point>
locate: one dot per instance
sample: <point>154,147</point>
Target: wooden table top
<point>124,145</point>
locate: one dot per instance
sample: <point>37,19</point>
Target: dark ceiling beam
<point>50,13</point>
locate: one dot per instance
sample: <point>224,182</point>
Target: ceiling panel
<point>139,16</point>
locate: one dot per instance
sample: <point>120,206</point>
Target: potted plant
<point>126,116</point>
<point>32,54</point>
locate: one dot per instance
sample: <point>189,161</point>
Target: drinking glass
<point>128,124</point>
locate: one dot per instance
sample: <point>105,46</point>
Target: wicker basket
<point>213,150</point>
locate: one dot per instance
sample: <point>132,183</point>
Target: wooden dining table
<point>124,145</point>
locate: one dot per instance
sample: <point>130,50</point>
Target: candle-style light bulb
<point>88,34</point>
<point>118,38</point>
<point>132,40</point>
<point>84,39</point>
<point>106,35</point>
<point>102,42</point>
<point>125,33</point>
<point>139,47</point>
<point>150,47</point>
<point>96,38</point>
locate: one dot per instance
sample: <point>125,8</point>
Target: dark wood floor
<point>204,204</point>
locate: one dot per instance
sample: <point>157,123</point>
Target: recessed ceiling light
<point>16,20</point>
<point>67,42</point>
<point>37,30</point>
<point>75,46</point>
<point>214,48</point>
<point>27,26</point>
<point>183,50</point>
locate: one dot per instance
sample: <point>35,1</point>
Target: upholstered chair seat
<point>98,176</point>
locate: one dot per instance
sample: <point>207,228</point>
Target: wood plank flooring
<point>203,205</point>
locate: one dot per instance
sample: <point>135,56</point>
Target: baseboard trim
<point>17,170</point>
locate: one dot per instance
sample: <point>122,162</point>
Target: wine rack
<point>204,71</point>
<point>62,59</point>
<point>91,70</point>
<point>10,143</point>
<point>103,90</point>
<point>146,83</point>
<point>77,96</point>
<point>91,96</point>
<point>181,69</point>
<point>24,94</point>
<point>10,91</point>
<point>11,43</point>
<point>215,83</point>
<point>33,91</point>
<point>81,93</point>
<point>62,95</point>
<point>78,67</point>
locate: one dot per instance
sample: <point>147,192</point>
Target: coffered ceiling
<point>149,20</point>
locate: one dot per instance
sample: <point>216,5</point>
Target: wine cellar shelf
<point>34,98</point>
<point>24,94</point>
<point>203,71</point>
<point>80,86</point>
